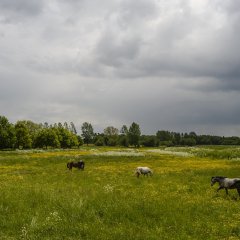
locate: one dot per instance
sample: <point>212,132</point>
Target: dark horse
<point>79,165</point>
<point>226,183</point>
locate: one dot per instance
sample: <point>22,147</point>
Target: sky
<point>164,64</point>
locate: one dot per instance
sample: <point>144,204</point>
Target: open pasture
<point>41,199</point>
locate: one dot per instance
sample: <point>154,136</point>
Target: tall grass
<point>41,199</point>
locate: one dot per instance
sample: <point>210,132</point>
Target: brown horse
<point>79,165</point>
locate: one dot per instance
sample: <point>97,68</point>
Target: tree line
<point>26,134</point>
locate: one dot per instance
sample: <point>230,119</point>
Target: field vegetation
<point>41,199</point>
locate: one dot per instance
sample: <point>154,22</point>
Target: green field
<point>41,199</point>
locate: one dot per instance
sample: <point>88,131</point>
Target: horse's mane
<point>219,177</point>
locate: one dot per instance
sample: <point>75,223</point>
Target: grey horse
<point>144,171</point>
<point>226,183</point>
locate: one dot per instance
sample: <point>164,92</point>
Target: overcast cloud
<point>165,64</point>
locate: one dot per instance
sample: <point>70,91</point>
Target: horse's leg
<point>219,188</point>
<point>238,189</point>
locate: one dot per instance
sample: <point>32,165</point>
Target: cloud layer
<point>165,64</point>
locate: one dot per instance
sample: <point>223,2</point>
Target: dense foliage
<point>27,134</point>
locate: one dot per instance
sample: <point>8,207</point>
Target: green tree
<point>66,125</point>
<point>40,140</point>
<point>123,137</point>
<point>73,128</point>
<point>33,129</point>
<point>66,138</point>
<point>73,140</point>
<point>164,135</point>
<point>47,137</point>
<point>111,136</point>
<point>123,140</point>
<point>134,134</point>
<point>23,135</point>
<point>149,141</point>
<point>124,130</point>
<point>80,140</point>
<point>7,133</point>
<point>87,132</point>
<point>99,140</point>
<point>176,138</point>
<point>188,141</point>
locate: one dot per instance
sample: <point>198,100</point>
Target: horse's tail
<point>237,184</point>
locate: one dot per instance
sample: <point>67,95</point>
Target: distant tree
<point>60,125</point>
<point>65,125</point>
<point>66,138</point>
<point>204,140</point>
<point>215,140</point>
<point>80,140</point>
<point>188,141</point>
<point>124,130</point>
<point>7,133</point>
<point>176,138</point>
<point>99,140</point>
<point>73,128</point>
<point>33,129</point>
<point>87,132</point>
<point>47,137</point>
<point>73,140</point>
<point>40,140</point>
<point>193,135</point>
<point>123,140</point>
<point>148,141</point>
<point>23,137</point>
<point>164,135</point>
<point>134,134</point>
<point>123,137</point>
<point>231,141</point>
<point>111,131</point>
<point>111,136</point>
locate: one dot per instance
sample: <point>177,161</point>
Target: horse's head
<point>213,180</point>
<point>216,179</point>
<point>81,164</point>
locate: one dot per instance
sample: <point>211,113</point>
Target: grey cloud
<point>164,64</point>
<point>228,6</point>
<point>114,51</point>
<point>136,12</point>
<point>15,10</point>
<point>181,43</point>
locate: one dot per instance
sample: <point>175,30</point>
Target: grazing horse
<point>79,165</point>
<point>144,171</point>
<point>226,183</point>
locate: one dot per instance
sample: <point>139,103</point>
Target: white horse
<point>144,171</point>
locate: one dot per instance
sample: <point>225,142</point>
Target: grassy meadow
<point>41,199</point>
